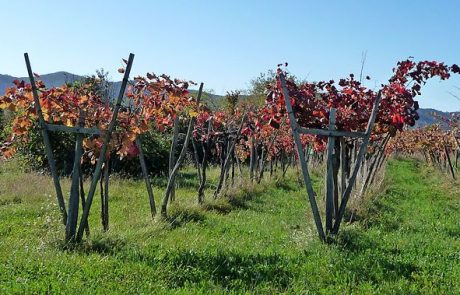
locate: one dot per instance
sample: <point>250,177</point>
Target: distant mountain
<point>430,116</point>
<point>427,117</point>
<point>213,100</point>
<point>60,78</point>
<point>51,80</point>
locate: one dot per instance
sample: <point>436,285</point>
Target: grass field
<point>406,240</point>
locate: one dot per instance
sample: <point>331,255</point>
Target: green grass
<point>406,241</point>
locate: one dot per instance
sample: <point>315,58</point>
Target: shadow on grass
<point>453,232</point>
<point>286,184</point>
<point>185,179</point>
<point>236,198</point>
<point>100,244</point>
<point>15,200</point>
<point>360,258</point>
<point>224,205</point>
<point>370,214</point>
<point>179,216</point>
<point>227,269</point>
<point>221,206</point>
<point>354,241</point>
<point>368,260</point>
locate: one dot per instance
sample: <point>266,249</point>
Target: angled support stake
<point>303,163</point>
<point>47,142</point>
<point>145,174</point>
<point>106,141</point>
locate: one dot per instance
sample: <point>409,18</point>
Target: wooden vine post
<point>331,226</point>
<point>72,220</point>
<point>330,173</point>
<point>145,175</point>
<point>70,216</point>
<point>179,160</point>
<point>46,140</point>
<point>106,141</point>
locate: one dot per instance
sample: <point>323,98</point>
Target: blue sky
<point>226,43</point>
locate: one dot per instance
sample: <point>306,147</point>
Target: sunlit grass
<point>256,239</point>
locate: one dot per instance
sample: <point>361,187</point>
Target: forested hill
<point>429,116</point>
<point>214,100</point>
<point>51,80</point>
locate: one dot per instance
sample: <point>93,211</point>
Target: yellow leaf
<point>193,113</point>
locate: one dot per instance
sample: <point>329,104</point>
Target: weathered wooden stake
<point>100,162</point>
<point>361,153</point>
<point>373,167</point>
<point>83,198</point>
<point>172,156</point>
<point>252,160</point>
<point>329,173</point>
<point>169,186</point>
<point>330,165</point>
<point>72,219</point>
<point>46,140</point>
<point>306,175</point>
<point>343,167</point>
<point>105,195</point>
<point>145,174</point>
<point>226,163</point>
<point>197,159</point>
<point>204,164</point>
<point>451,168</point>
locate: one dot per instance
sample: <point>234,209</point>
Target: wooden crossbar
<point>330,133</point>
<point>74,129</point>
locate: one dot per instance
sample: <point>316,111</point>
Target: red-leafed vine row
<point>241,133</point>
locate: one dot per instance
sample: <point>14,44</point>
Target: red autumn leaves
<point>151,101</point>
<point>154,101</point>
<point>312,101</point>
